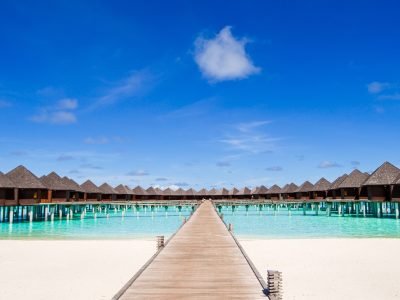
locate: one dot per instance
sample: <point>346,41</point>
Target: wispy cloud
<point>91,166</point>
<point>96,141</point>
<point>326,164</point>
<point>181,184</point>
<point>274,168</point>
<point>223,164</point>
<point>246,127</point>
<point>254,143</point>
<point>224,57</point>
<point>161,179</point>
<point>65,157</point>
<point>5,103</point>
<point>62,112</point>
<point>138,173</point>
<point>126,88</point>
<point>377,87</point>
<point>18,153</point>
<point>395,96</point>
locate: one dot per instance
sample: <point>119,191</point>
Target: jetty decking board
<point>202,261</point>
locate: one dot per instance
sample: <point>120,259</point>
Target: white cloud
<point>328,164</point>
<point>395,96</point>
<point>96,141</point>
<point>274,168</point>
<point>61,113</point>
<point>223,57</point>
<point>246,127</point>
<point>138,173</point>
<point>128,87</point>
<point>377,87</point>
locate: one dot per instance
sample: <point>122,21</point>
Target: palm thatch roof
<point>284,188</point>
<point>291,188</point>
<point>180,192</point>
<point>24,179</point>
<point>335,184</point>
<point>223,192</point>
<point>262,190</point>
<point>123,190</point>
<point>5,182</point>
<point>384,175</point>
<point>152,191</point>
<point>191,192</point>
<point>354,180</point>
<point>159,191</point>
<point>168,192</point>
<point>105,188</point>
<point>305,187</point>
<point>212,192</point>
<point>203,192</point>
<point>54,182</point>
<point>72,185</point>
<point>321,185</point>
<point>254,190</point>
<point>233,191</point>
<point>90,188</point>
<point>244,191</point>
<point>275,189</point>
<point>139,191</point>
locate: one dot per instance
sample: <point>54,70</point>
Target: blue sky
<point>199,93</point>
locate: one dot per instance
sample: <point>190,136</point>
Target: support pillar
<point>397,211</point>
<point>328,209</point>
<point>11,215</point>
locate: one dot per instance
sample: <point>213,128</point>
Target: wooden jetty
<point>202,261</point>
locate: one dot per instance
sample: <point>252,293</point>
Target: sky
<point>199,93</point>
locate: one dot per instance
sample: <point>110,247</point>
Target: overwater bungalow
<point>304,191</point>
<point>203,193</point>
<point>123,193</point>
<point>168,194</point>
<point>107,192</point>
<point>334,190</point>
<point>190,194</point>
<point>57,190</point>
<point>92,192</point>
<point>212,193</point>
<point>261,192</point>
<point>289,192</point>
<point>274,193</point>
<point>180,194</point>
<point>396,190</point>
<point>380,184</point>
<point>223,193</point>
<point>320,189</point>
<point>244,193</point>
<point>139,193</point>
<point>153,194</point>
<point>29,188</point>
<point>233,192</point>
<point>77,194</point>
<point>351,187</point>
<point>7,191</point>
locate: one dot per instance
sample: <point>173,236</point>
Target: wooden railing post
<point>160,242</point>
<point>274,285</point>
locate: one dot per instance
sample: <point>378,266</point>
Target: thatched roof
<point>291,188</point>
<point>152,191</point>
<point>244,191</point>
<point>168,192</point>
<point>90,187</point>
<point>24,179</point>
<point>335,184</point>
<point>203,192</point>
<point>212,192</point>
<point>254,190</point>
<point>72,185</point>
<point>180,192</point>
<point>191,192</point>
<point>54,182</point>
<point>123,190</point>
<point>159,191</point>
<point>262,190</point>
<point>105,188</point>
<point>354,180</point>
<point>275,189</point>
<point>5,182</point>
<point>321,185</point>
<point>284,188</point>
<point>386,174</point>
<point>223,192</point>
<point>233,191</point>
<point>139,191</point>
<point>305,187</point>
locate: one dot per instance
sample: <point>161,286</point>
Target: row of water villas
<point>357,193</point>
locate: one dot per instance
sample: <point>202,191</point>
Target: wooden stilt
<point>397,211</point>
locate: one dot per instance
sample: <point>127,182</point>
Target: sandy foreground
<point>69,269</point>
<point>312,269</point>
<point>331,268</point>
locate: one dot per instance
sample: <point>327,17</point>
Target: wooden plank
<point>202,261</point>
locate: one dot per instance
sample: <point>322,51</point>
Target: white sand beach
<point>312,269</point>
<point>331,268</point>
<point>69,269</point>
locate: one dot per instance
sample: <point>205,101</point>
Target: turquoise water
<point>270,224</point>
<point>250,224</point>
<point>133,225</point>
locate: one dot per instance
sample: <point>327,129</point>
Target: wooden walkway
<point>202,261</point>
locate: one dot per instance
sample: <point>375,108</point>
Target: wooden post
<point>11,214</point>
<point>397,211</point>
<point>230,227</point>
<point>304,208</point>
<point>378,209</point>
<point>274,291</point>
<point>160,242</point>
<point>328,209</point>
